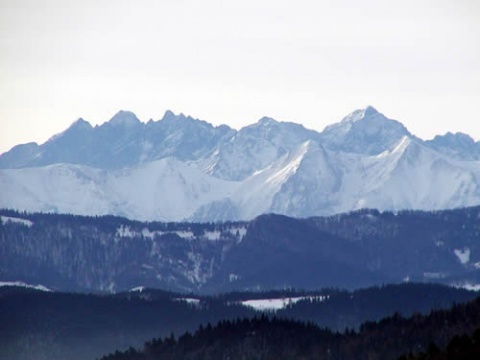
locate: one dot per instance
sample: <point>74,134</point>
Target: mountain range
<point>179,168</point>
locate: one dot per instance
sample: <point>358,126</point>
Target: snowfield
<point>279,303</point>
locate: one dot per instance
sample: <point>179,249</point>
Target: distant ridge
<point>350,250</point>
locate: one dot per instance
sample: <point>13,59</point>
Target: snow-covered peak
<point>266,121</point>
<point>360,114</point>
<point>364,131</point>
<point>124,118</point>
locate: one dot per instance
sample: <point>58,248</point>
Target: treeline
<point>459,348</point>
<point>272,338</point>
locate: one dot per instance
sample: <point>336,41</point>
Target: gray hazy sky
<point>233,62</point>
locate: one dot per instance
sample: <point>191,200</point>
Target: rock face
<point>179,168</point>
<point>368,247</point>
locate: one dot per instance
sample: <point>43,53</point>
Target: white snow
<point>301,179</point>
<point>277,304</point>
<point>212,235</point>
<point>192,301</point>
<point>126,231</point>
<point>146,233</point>
<point>240,231</point>
<point>6,219</point>
<point>463,255</point>
<point>184,234</point>
<point>474,287</point>
<point>137,289</point>
<point>233,277</point>
<point>22,284</point>
<point>163,190</point>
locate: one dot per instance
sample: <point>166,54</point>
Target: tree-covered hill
<point>266,338</point>
<point>48,325</point>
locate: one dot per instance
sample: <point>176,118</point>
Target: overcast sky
<point>233,62</point>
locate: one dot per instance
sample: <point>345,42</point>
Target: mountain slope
<point>180,168</point>
<point>165,189</point>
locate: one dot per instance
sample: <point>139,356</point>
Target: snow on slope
<point>255,195</point>
<point>412,176</point>
<point>16,220</point>
<point>254,148</point>
<point>314,181</point>
<point>166,189</point>
<point>278,303</point>
<point>22,284</point>
<point>307,181</point>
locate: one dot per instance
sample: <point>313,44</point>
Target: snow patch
<point>137,289</point>
<point>184,234</point>
<point>468,286</point>
<point>213,235</point>
<point>126,231</point>
<point>277,304</point>
<point>22,284</point>
<point>463,255</point>
<point>15,220</point>
<point>146,233</point>
<point>192,301</point>
<point>239,232</point>
<point>233,277</point>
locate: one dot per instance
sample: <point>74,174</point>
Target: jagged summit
<point>81,123</point>
<point>170,116</point>
<point>370,110</point>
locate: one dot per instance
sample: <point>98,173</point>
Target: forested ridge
<point>349,251</point>
<point>455,330</point>
<point>51,325</point>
